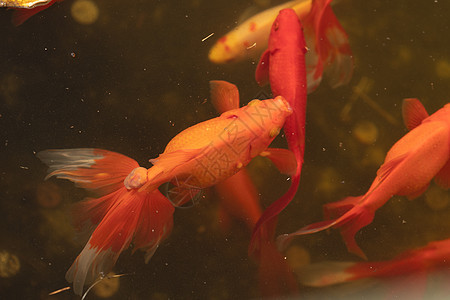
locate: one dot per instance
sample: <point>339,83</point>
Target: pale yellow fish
<point>23,3</point>
<point>251,37</point>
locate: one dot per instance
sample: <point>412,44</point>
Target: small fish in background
<point>131,208</point>
<point>327,41</point>
<point>25,9</point>
<point>414,265</point>
<point>418,157</point>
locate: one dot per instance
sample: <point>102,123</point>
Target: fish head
<point>262,120</point>
<point>286,29</point>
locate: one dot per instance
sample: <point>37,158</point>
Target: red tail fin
<point>122,215</point>
<point>143,217</point>
<point>330,51</point>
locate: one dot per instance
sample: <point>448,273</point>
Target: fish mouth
<point>284,104</point>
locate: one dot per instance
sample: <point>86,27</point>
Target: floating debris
<point>108,286</point>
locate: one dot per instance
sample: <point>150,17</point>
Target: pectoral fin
<point>166,166</point>
<point>413,113</point>
<point>283,159</point>
<point>262,70</point>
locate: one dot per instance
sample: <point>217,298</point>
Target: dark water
<point>139,75</point>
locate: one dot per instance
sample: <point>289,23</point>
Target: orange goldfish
<point>410,165</point>
<point>325,37</point>
<point>26,8</point>
<point>131,208</point>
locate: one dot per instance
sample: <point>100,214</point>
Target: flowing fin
<point>283,159</point>
<point>97,170</point>
<point>20,15</point>
<point>443,176</point>
<point>349,223</point>
<point>145,216</point>
<point>262,70</point>
<point>330,51</point>
<point>413,113</point>
<point>389,166</point>
<point>224,95</point>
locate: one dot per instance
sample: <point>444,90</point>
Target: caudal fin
<point>330,50</point>
<point>351,217</point>
<point>141,217</point>
<point>97,170</point>
<point>123,215</point>
<point>23,14</point>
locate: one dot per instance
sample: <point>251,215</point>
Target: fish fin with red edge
<point>146,217</point>
<point>283,159</point>
<point>413,113</point>
<point>96,170</point>
<point>262,70</point>
<point>239,198</point>
<point>224,95</point>
<point>325,273</point>
<point>20,15</point>
<point>330,51</point>
<point>443,176</point>
<point>275,276</point>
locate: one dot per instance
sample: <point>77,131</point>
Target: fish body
<point>418,157</point>
<point>130,207</point>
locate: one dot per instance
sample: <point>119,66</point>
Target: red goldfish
<point>326,39</point>
<point>131,208</point>
<point>433,256</point>
<point>284,64</point>
<point>410,165</point>
<point>26,8</point>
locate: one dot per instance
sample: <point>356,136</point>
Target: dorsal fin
<point>413,113</point>
<point>224,95</point>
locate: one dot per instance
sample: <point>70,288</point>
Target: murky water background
<point>138,75</point>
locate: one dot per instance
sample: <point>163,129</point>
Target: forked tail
<point>119,217</point>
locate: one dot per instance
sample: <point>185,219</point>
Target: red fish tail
<point>330,51</point>
<point>128,215</point>
<point>275,276</point>
<point>97,170</point>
